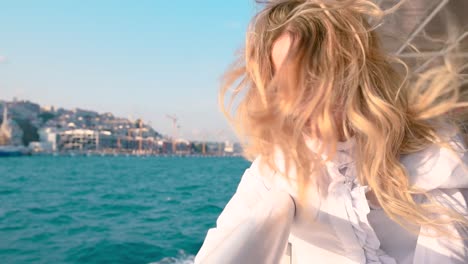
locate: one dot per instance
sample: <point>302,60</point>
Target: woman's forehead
<point>280,49</point>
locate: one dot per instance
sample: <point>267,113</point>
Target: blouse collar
<point>344,150</point>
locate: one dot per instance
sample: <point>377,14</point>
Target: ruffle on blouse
<point>358,209</point>
<point>343,173</point>
<point>432,168</point>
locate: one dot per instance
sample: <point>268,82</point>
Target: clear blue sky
<point>144,58</point>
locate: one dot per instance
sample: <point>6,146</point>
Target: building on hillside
<point>78,140</point>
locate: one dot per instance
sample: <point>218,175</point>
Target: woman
<point>354,160</point>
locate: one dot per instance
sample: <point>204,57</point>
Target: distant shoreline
<point>72,154</point>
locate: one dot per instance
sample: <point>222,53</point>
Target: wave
<point>181,259</point>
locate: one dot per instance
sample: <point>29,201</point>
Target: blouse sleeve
<point>432,249</point>
<point>443,173</point>
<point>253,227</point>
<point>438,167</point>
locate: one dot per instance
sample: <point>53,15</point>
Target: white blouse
<point>264,222</point>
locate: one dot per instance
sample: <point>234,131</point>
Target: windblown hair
<point>337,81</point>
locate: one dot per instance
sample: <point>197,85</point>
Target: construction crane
<point>151,142</point>
<point>129,133</point>
<point>204,136</point>
<point>140,139</point>
<point>201,135</point>
<point>218,136</point>
<point>174,119</point>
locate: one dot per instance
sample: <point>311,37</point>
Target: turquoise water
<point>111,209</point>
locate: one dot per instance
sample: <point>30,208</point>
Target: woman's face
<point>280,50</point>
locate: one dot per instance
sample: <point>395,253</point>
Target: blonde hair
<point>336,76</point>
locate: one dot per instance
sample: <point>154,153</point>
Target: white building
<point>78,139</point>
<point>48,139</point>
<point>228,147</point>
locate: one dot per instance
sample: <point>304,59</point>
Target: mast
<point>175,134</point>
<point>140,143</point>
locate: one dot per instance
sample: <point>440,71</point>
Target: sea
<point>63,209</point>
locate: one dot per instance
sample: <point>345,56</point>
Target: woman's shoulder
<point>263,178</point>
<point>258,175</point>
<point>261,172</point>
<point>439,166</point>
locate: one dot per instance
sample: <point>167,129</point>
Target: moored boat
<point>12,151</point>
